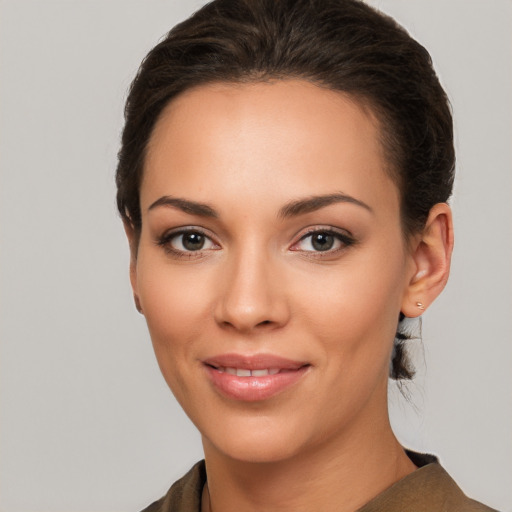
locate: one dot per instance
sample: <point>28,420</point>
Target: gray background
<point>86,421</point>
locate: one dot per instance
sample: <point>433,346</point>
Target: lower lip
<point>253,389</point>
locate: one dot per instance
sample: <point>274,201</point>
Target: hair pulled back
<point>343,45</point>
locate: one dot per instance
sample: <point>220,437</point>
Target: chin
<point>257,453</point>
<point>265,442</point>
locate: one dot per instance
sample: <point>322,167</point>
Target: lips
<point>253,378</point>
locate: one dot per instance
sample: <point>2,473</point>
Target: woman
<point>283,179</point>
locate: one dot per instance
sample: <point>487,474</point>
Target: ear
<point>431,256</point>
<point>133,242</point>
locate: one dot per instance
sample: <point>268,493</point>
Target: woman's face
<point>271,266</point>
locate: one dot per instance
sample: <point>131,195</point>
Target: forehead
<point>288,137</point>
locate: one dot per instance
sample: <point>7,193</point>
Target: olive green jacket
<point>428,489</point>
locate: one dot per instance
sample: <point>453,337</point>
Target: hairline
<point>365,102</point>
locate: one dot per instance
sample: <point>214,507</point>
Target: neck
<point>341,475</point>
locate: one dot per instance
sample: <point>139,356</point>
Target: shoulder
<point>184,494</point>
<point>428,489</point>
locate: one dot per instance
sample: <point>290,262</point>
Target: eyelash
<point>165,240</point>
<point>345,240</point>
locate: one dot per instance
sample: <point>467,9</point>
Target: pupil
<point>193,241</point>
<point>323,241</point>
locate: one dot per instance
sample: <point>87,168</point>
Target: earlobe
<point>138,307</point>
<point>133,281</point>
<point>133,244</point>
<point>431,257</point>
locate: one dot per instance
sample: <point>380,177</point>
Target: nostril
<point>265,322</point>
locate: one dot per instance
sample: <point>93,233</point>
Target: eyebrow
<point>191,207</point>
<point>291,209</point>
<point>314,203</point>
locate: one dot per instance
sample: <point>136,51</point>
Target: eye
<point>186,241</point>
<point>323,240</point>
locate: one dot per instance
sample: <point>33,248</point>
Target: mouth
<point>246,372</point>
<point>253,378</point>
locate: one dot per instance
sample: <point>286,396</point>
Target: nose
<point>252,295</point>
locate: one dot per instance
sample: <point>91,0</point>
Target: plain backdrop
<point>86,421</point>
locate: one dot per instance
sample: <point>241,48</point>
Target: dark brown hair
<point>343,45</point>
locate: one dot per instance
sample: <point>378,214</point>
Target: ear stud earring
<point>420,305</point>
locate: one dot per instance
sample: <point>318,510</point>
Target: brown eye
<point>187,241</point>
<point>192,241</point>
<point>322,241</point>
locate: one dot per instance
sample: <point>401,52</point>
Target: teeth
<point>242,372</point>
<point>259,373</point>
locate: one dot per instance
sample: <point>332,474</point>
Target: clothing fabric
<point>428,489</point>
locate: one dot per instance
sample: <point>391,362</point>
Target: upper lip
<point>253,362</point>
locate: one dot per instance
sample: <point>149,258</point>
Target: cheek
<point>352,314</point>
<point>355,307</point>
<point>175,302</point>
<point>172,296</point>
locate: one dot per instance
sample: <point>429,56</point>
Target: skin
<point>259,286</point>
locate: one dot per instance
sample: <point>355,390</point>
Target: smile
<point>253,378</point>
